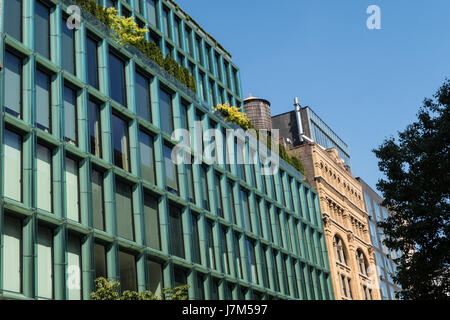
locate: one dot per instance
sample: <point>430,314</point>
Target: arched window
<point>362,262</point>
<point>340,250</point>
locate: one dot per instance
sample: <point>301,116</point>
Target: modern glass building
<point>313,127</point>
<point>88,188</point>
<point>384,256</point>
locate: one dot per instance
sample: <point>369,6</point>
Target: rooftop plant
<point>126,31</point>
<point>234,115</point>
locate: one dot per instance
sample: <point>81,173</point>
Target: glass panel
<point>200,286</point>
<point>171,170</point>
<point>74,268</point>
<point>117,79</point>
<point>100,261</point>
<point>166,22</point>
<point>13,18</point>
<point>13,84</point>
<point>190,182</point>
<point>95,129</point>
<point>70,115</point>
<point>13,166</point>
<point>92,61</point>
<point>237,251</point>
<point>177,31</point>
<point>210,243</point>
<point>176,231</point>
<point>43,104</point>
<point>128,275</point>
<point>42,29</point>
<point>120,136</point>
<point>196,240</point>
<point>151,12</point>
<point>218,195</point>
<point>245,206</point>
<point>12,254</point>
<point>204,183</point>
<point>124,210</point>
<point>180,277</point>
<point>224,249</point>
<point>68,47</point>
<point>72,190</point>
<point>44,178</point>
<point>147,158</point>
<point>97,200</point>
<point>143,103</point>
<point>45,263</point>
<point>151,222</point>
<point>165,107</point>
<point>156,277</point>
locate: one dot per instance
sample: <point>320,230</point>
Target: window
<point>254,271</point>
<point>147,157</point>
<point>215,289</point>
<point>151,12</point>
<point>165,107</point>
<point>219,196</point>
<point>279,224</point>
<point>209,58</point>
<point>95,132</point>
<point>204,182</point>
<point>120,137</point>
<point>44,178</point>
<point>100,261</point>
<point>189,48</point>
<point>219,66</point>
<point>98,208</point>
<point>12,254</point>
<point>92,61</point>
<point>361,262</point>
<point>349,283</point>
<point>201,82</point>
<point>237,251</point>
<point>42,29</point>
<point>184,115</point>
<point>137,5</point>
<point>212,92</point>
<point>200,286</point>
<point>117,79</point>
<point>166,22</point>
<point>246,207</point>
<point>13,84</point>
<point>258,214</point>
<point>72,190</point>
<point>74,273</point>
<point>177,31</point>
<point>199,50</point>
<point>13,18</point>
<point>236,81</point>
<point>224,249</point>
<point>340,250</point>
<point>180,276</point>
<point>151,216</point>
<point>128,273</point>
<point>70,115</point>
<point>12,168</point>
<point>68,46</point>
<point>190,177</point>
<point>196,240</point>
<point>125,12</point>
<point>233,202</point>
<point>171,171</point>
<point>210,244</point>
<point>45,263</point>
<point>111,3</point>
<point>43,101</point>
<point>176,231</point>
<point>156,277</point>
<point>124,210</point>
<point>143,102</point>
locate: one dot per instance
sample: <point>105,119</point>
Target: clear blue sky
<point>366,84</point>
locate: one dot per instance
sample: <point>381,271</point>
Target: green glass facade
<point>87,185</point>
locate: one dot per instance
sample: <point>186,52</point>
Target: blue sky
<point>366,84</point>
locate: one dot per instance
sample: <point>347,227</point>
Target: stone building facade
<point>345,222</point>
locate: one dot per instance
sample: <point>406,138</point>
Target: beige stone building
<point>345,221</point>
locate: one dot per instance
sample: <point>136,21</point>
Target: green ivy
<point>150,49</point>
